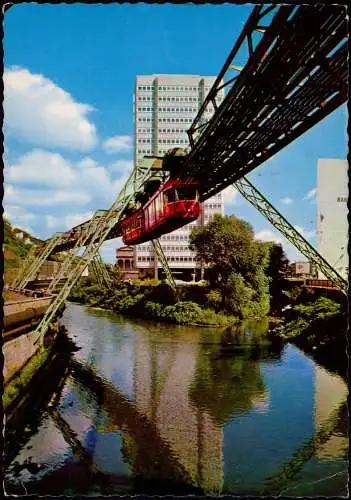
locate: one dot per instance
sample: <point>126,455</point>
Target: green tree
<point>277,270</point>
<point>236,264</point>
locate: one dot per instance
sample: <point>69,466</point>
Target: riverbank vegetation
<point>235,265</point>
<point>317,324</point>
<point>152,301</point>
<point>237,286</point>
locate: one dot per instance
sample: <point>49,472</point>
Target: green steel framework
<point>319,90</point>
<point>95,234</point>
<point>102,270</point>
<point>72,257</point>
<point>158,250</point>
<point>36,264</point>
<point>251,194</point>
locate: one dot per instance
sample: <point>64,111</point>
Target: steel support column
<point>258,200</point>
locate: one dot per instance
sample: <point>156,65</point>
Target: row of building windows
<point>144,151</point>
<point>177,237</point>
<point>145,119</point>
<point>213,205</point>
<point>173,141</point>
<point>148,98</point>
<point>172,130</point>
<point>176,120</point>
<point>169,110</point>
<point>172,258</point>
<point>178,110</point>
<point>163,130</point>
<point>172,88</point>
<point>165,248</point>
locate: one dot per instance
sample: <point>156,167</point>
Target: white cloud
<point>286,200</point>
<point>306,233</point>
<point>61,193</point>
<point>272,235</point>
<point>66,182</point>
<point>117,144</point>
<point>267,235</point>
<point>122,166</point>
<point>40,112</point>
<point>68,221</point>
<point>39,167</point>
<point>311,194</point>
<point>20,217</point>
<point>44,198</point>
<point>229,195</point>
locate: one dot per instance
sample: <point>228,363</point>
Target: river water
<point>145,407</point>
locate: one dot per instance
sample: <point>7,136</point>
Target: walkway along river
<point>144,407</point>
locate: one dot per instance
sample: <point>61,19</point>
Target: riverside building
<point>332,225</point>
<point>164,108</point>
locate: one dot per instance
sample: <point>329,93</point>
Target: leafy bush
<point>187,312</point>
<point>318,323</point>
<point>128,303</point>
<point>214,299</point>
<point>153,309</point>
<point>148,282</point>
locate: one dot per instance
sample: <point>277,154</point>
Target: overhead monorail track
<point>295,77</point>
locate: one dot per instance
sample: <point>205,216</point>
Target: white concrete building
<point>164,108</point>
<point>332,224</point>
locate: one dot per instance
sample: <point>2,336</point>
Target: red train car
<point>174,204</point>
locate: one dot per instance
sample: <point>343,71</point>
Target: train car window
<point>169,196</point>
<point>187,193</point>
<point>158,203</point>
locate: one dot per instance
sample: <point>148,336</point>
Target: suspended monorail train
<point>173,205</point>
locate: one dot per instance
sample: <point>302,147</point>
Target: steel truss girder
<point>158,249</point>
<point>94,239</point>
<point>72,257</point>
<point>295,76</point>
<point>258,200</point>
<point>252,25</point>
<point>100,271</point>
<point>39,261</point>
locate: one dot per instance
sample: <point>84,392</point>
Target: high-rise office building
<point>164,108</point>
<point>332,225</point>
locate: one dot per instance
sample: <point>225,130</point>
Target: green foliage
<point>18,384</point>
<point>214,299</point>
<point>319,323</point>
<point>12,242</point>
<point>153,310</point>
<point>148,282</point>
<point>235,266</point>
<point>186,312</point>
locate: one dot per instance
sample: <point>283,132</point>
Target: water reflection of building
<point>330,393</point>
<point>188,393</point>
<point>162,393</point>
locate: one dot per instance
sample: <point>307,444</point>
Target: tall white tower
<point>332,224</point>
<point>164,108</point>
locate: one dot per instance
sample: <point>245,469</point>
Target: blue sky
<point>69,80</point>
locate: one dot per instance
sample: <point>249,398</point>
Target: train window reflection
<point>187,193</point>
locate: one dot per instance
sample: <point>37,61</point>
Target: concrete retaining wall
<point>21,305</point>
<point>17,352</point>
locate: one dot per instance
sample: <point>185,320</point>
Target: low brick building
<point>125,260</point>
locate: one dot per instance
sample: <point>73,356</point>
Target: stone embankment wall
<point>20,340</point>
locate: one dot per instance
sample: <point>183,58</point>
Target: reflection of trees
<point>228,376</point>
